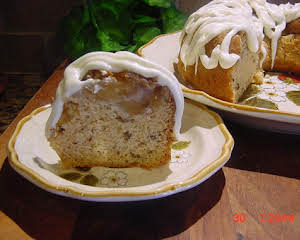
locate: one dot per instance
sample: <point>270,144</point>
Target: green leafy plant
<point>114,25</point>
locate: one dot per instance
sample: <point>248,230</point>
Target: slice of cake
<point>226,44</point>
<point>115,110</point>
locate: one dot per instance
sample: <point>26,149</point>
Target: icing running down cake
<point>115,110</point>
<point>226,44</point>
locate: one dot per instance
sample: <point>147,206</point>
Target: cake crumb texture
<point>118,120</point>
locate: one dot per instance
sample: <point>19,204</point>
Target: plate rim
<point>216,100</point>
<point>119,192</point>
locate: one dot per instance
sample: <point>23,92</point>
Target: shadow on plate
<point>195,115</point>
<point>106,177</point>
<point>46,216</point>
<point>155,219</point>
<point>40,214</point>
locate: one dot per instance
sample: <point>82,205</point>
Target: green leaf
<point>110,7</point>
<point>85,16</point>
<point>113,25</point>
<point>73,30</point>
<point>180,145</point>
<point>83,169</point>
<point>117,23</point>
<point>117,4</point>
<point>144,34</point>
<point>250,92</point>
<point>261,103</point>
<point>144,19</point>
<point>173,19</point>
<point>90,180</point>
<point>132,48</point>
<point>86,41</point>
<point>294,96</point>
<point>72,25</point>
<point>75,47</point>
<point>92,11</point>
<point>71,176</point>
<point>159,3</point>
<point>107,43</point>
<point>287,80</point>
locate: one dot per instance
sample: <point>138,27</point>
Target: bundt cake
<point>226,45</point>
<point>115,110</point>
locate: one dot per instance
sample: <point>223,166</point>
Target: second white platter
<point>273,105</point>
<point>204,147</point>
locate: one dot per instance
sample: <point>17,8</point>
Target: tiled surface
<point>18,92</point>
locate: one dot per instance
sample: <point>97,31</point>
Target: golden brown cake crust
<point>235,44</point>
<point>287,56</point>
<point>216,82</point>
<point>292,27</point>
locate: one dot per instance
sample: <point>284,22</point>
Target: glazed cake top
<point>254,17</point>
<point>113,62</point>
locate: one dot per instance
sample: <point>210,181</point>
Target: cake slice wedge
<point>115,110</point>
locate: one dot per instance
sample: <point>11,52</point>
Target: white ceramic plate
<point>205,146</point>
<point>270,106</point>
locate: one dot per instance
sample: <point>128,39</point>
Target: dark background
<point>28,41</point>
<point>30,50</point>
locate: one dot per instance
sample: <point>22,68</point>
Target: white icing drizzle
<point>97,88</point>
<point>264,54</point>
<point>273,19</point>
<point>230,17</point>
<point>113,62</point>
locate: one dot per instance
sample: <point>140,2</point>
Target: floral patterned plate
<point>204,146</point>
<point>273,105</point>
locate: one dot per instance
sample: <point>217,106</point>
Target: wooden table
<point>255,196</point>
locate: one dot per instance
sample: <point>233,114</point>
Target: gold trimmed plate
<point>273,105</point>
<point>204,146</point>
